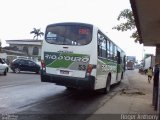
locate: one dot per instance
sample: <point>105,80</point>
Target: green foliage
<point>135,36</point>
<point>37,33</point>
<point>128,24</point>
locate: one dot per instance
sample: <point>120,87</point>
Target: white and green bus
<point>79,55</point>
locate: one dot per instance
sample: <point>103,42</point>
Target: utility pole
<point>156,94</point>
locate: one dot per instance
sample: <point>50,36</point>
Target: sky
<point>19,17</point>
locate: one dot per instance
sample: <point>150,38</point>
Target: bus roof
<point>71,23</point>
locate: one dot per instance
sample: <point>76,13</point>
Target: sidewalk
<point>135,99</point>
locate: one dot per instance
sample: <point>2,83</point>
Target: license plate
<point>64,72</point>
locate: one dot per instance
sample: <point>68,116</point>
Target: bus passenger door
<point>118,77</point>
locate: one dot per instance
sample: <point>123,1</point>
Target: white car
<point>3,67</point>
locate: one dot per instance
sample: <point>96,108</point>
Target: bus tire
<point>108,85</point>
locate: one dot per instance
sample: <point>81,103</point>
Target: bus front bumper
<point>86,83</point>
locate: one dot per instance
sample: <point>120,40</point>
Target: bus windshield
<point>68,34</point>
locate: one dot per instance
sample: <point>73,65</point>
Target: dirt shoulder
<point>135,98</point>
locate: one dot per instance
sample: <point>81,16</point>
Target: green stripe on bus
<point>60,63</point>
<point>65,60</point>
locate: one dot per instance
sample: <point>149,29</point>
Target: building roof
<point>25,42</point>
<point>147,18</point>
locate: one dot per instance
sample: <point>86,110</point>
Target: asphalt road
<point>24,94</point>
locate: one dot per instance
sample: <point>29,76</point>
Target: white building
<point>29,46</point>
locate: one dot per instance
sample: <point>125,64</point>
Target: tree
<point>37,33</point>
<point>129,24</point>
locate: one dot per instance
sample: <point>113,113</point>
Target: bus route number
<point>83,31</point>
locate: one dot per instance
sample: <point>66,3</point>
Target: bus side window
<point>111,50</point>
<point>104,49</point>
<point>101,46</point>
<point>115,53</point>
<point>118,57</point>
<point>108,48</point>
<point>99,51</point>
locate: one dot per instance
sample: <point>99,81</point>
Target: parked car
<point>5,63</point>
<point>3,67</point>
<point>18,65</point>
